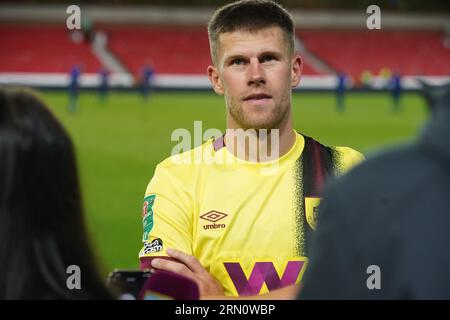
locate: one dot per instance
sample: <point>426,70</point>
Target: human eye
<point>267,58</point>
<point>237,61</point>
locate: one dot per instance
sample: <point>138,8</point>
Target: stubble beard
<point>273,121</point>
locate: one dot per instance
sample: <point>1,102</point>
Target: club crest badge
<point>311,211</point>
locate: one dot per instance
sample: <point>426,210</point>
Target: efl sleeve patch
<point>147,216</point>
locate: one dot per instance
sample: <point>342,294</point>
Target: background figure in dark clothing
<point>104,84</point>
<point>74,88</point>
<point>340,91</point>
<point>383,229</point>
<point>147,81</point>
<point>396,90</point>
<point>42,225</point>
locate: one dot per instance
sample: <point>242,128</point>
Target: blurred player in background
<point>239,231</point>
<point>340,91</point>
<point>396,90</point>
<point>42,224</point>
<point>75,74</point>
<point>147,79</point>
<point>104,84</point>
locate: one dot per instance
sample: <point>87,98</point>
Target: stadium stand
<point>409,52</point>
<point>170,50</point>
<point>136,46</point>
<point>352,51</point>
<point>43,49</point>
<point>180,55</point>
<point>308,68</point>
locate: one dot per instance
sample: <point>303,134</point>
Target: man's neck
<point>261,145</point>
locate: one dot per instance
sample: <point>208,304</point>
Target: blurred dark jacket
<point>392,211</point>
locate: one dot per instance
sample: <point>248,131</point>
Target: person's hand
<point>188,266</point>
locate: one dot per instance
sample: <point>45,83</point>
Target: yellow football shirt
<point>246,222</point>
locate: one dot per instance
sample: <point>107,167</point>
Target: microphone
<point>165,285</point>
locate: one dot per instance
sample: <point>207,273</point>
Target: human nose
<point>256,74</point>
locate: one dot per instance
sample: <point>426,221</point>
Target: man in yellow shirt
<point>238,218</point>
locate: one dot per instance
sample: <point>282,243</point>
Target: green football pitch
<point>119,142</point>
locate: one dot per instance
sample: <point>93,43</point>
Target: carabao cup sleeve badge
<point>147,212</point>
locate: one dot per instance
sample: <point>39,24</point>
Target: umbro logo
<point>213,216</point>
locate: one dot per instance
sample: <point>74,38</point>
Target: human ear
<point>297,67</point>
<point>214,78</point>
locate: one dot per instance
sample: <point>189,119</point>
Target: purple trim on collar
<point>219,143</point>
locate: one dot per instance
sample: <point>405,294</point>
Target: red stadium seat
<point>30,48</point>
<point>409,52</point>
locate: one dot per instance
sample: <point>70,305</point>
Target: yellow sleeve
<point>348,159</point>
<point>166,215</point>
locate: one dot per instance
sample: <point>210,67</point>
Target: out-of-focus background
<point>136,71</point>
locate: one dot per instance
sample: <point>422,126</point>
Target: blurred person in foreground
<point>236,222</point>
<point>383,230</point>
<point>42,226</point>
